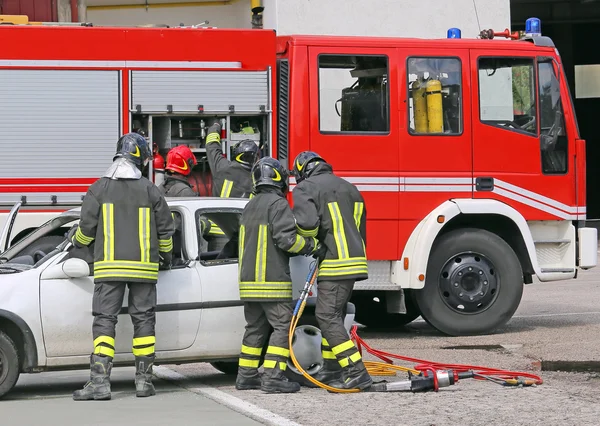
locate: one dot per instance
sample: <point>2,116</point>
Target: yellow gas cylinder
<point>419,107</point>
<point>434,106</point>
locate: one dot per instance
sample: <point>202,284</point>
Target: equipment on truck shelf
<point>425,376</point>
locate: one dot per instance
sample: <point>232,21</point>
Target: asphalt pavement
<point>554,333</point>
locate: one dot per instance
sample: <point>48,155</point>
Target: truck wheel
<point>9,364</point>
<point>372,313</point>
<point>227,367</point>
<point>473,285</point>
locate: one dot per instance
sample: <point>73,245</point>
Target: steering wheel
<point>38,255</point>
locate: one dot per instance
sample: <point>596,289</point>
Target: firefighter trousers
<point>106,305</point>
<point>260,317</point>
<point>332,298</point>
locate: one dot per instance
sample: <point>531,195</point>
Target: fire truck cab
<point>467,151</point>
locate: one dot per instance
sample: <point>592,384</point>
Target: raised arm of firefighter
<point>306,211</point>
<point>285,234</point>
<point>214,153</point>
<point>165,227</point>
<point>85,233</point>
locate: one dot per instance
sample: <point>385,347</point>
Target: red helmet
<point>181,160</point>
<point>158,162</point>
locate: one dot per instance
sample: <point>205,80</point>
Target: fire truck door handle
<point>484,184</point>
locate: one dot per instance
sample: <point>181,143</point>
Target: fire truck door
<point>523,150</point>
<point>435,144</point>
<point>353,103</point>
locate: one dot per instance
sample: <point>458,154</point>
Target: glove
<point>71,233</point>
<point>215,128</point>
<point>319,253</point>
<point>164,262</point>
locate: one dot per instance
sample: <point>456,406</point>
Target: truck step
<point>562,270</point>
<point>552,241</point>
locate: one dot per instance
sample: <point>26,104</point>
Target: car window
<point>217,231</point>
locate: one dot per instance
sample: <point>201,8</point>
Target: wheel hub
<point>468,283</point>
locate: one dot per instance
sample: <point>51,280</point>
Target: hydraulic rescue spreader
<point>425,376</point>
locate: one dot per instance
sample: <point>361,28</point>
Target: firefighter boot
<point>143,376</point>
<point>274,381</point>
<point>247,379</point>
<point>354,376</point>
<point>331,372</point>
<point>98,387</point>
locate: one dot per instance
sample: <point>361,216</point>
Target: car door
<point>66,311</point>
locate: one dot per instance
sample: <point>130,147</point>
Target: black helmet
<point>269,172</point>
<point>135,148</point>
<point>304,164</point>
<point>246,153</point>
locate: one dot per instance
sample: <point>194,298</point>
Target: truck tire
<point>372,313</point>
<point>474,283</point>
<point>9,364</point>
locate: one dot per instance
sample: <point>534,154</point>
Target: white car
<point>46,292</point>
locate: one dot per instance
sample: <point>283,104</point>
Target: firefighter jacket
<point>267,238</point>
<point>230,178</point>
<point>333,210</point>
<point>130,222</point>
<point>176,186</point>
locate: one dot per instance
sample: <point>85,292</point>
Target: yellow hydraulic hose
<point>373,368</point>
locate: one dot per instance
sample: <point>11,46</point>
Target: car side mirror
<point>70,268</point>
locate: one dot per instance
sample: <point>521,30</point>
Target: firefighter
<point>268,237</point>
<point>127,218</point>
<point>180,162</point>
<point>333,210</point>
<point>230,178</point>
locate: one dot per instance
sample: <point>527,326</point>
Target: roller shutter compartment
<point>58,131</point>
<point>184,91</point>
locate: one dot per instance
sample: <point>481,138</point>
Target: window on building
<point>553,138</point>
<point>434,96</point>
<point>353,93</point>
<point>507,94</point>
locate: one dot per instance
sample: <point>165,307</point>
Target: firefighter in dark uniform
<point>268,237</point>
<point>127,218</point>
<point>333,210</point>
<point>180,162</point>
<point>230,178</point>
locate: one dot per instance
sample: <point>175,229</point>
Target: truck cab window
<point>434,96</point>
<point>553,138</point>
<point>353,93</point>
<point>507,94</point>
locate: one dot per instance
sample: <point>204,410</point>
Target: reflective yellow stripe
<point>341,267</point>
<point>324,342</point>
<point>241,250</point>
<point>213,137</point>
<point>269,363</point>
<point>338,230</point>
<point>251,196</point>
<point>141,341</point>
<point>121,273</point>
<point>250,363</point>
<point>82,238</point>
<point>328,355</point>
<point>261,255</point>
<point>307,232</point>
<point>251,351</point>
<point>104,339</point>
<point>126,264</point>
<point>355,357</point>
<point>275,350</point>
<point>165,245</point>
<point>103,350</point>
<point>109,231</point>
<point>358,212</point>
<point>214,229</point>
<point>144,233</point>
<point>143,351</point>
<point>348,344</point>
<point>298,245</point>
<point>226,190</point>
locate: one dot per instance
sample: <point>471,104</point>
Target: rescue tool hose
<point>387,368</point>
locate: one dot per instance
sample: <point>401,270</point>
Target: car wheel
<point>227,367</point>
<point>473,285</point>
<point>372,313</point>
<point>9,364</point>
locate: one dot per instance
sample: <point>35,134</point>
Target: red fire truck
<point>467,151</point>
